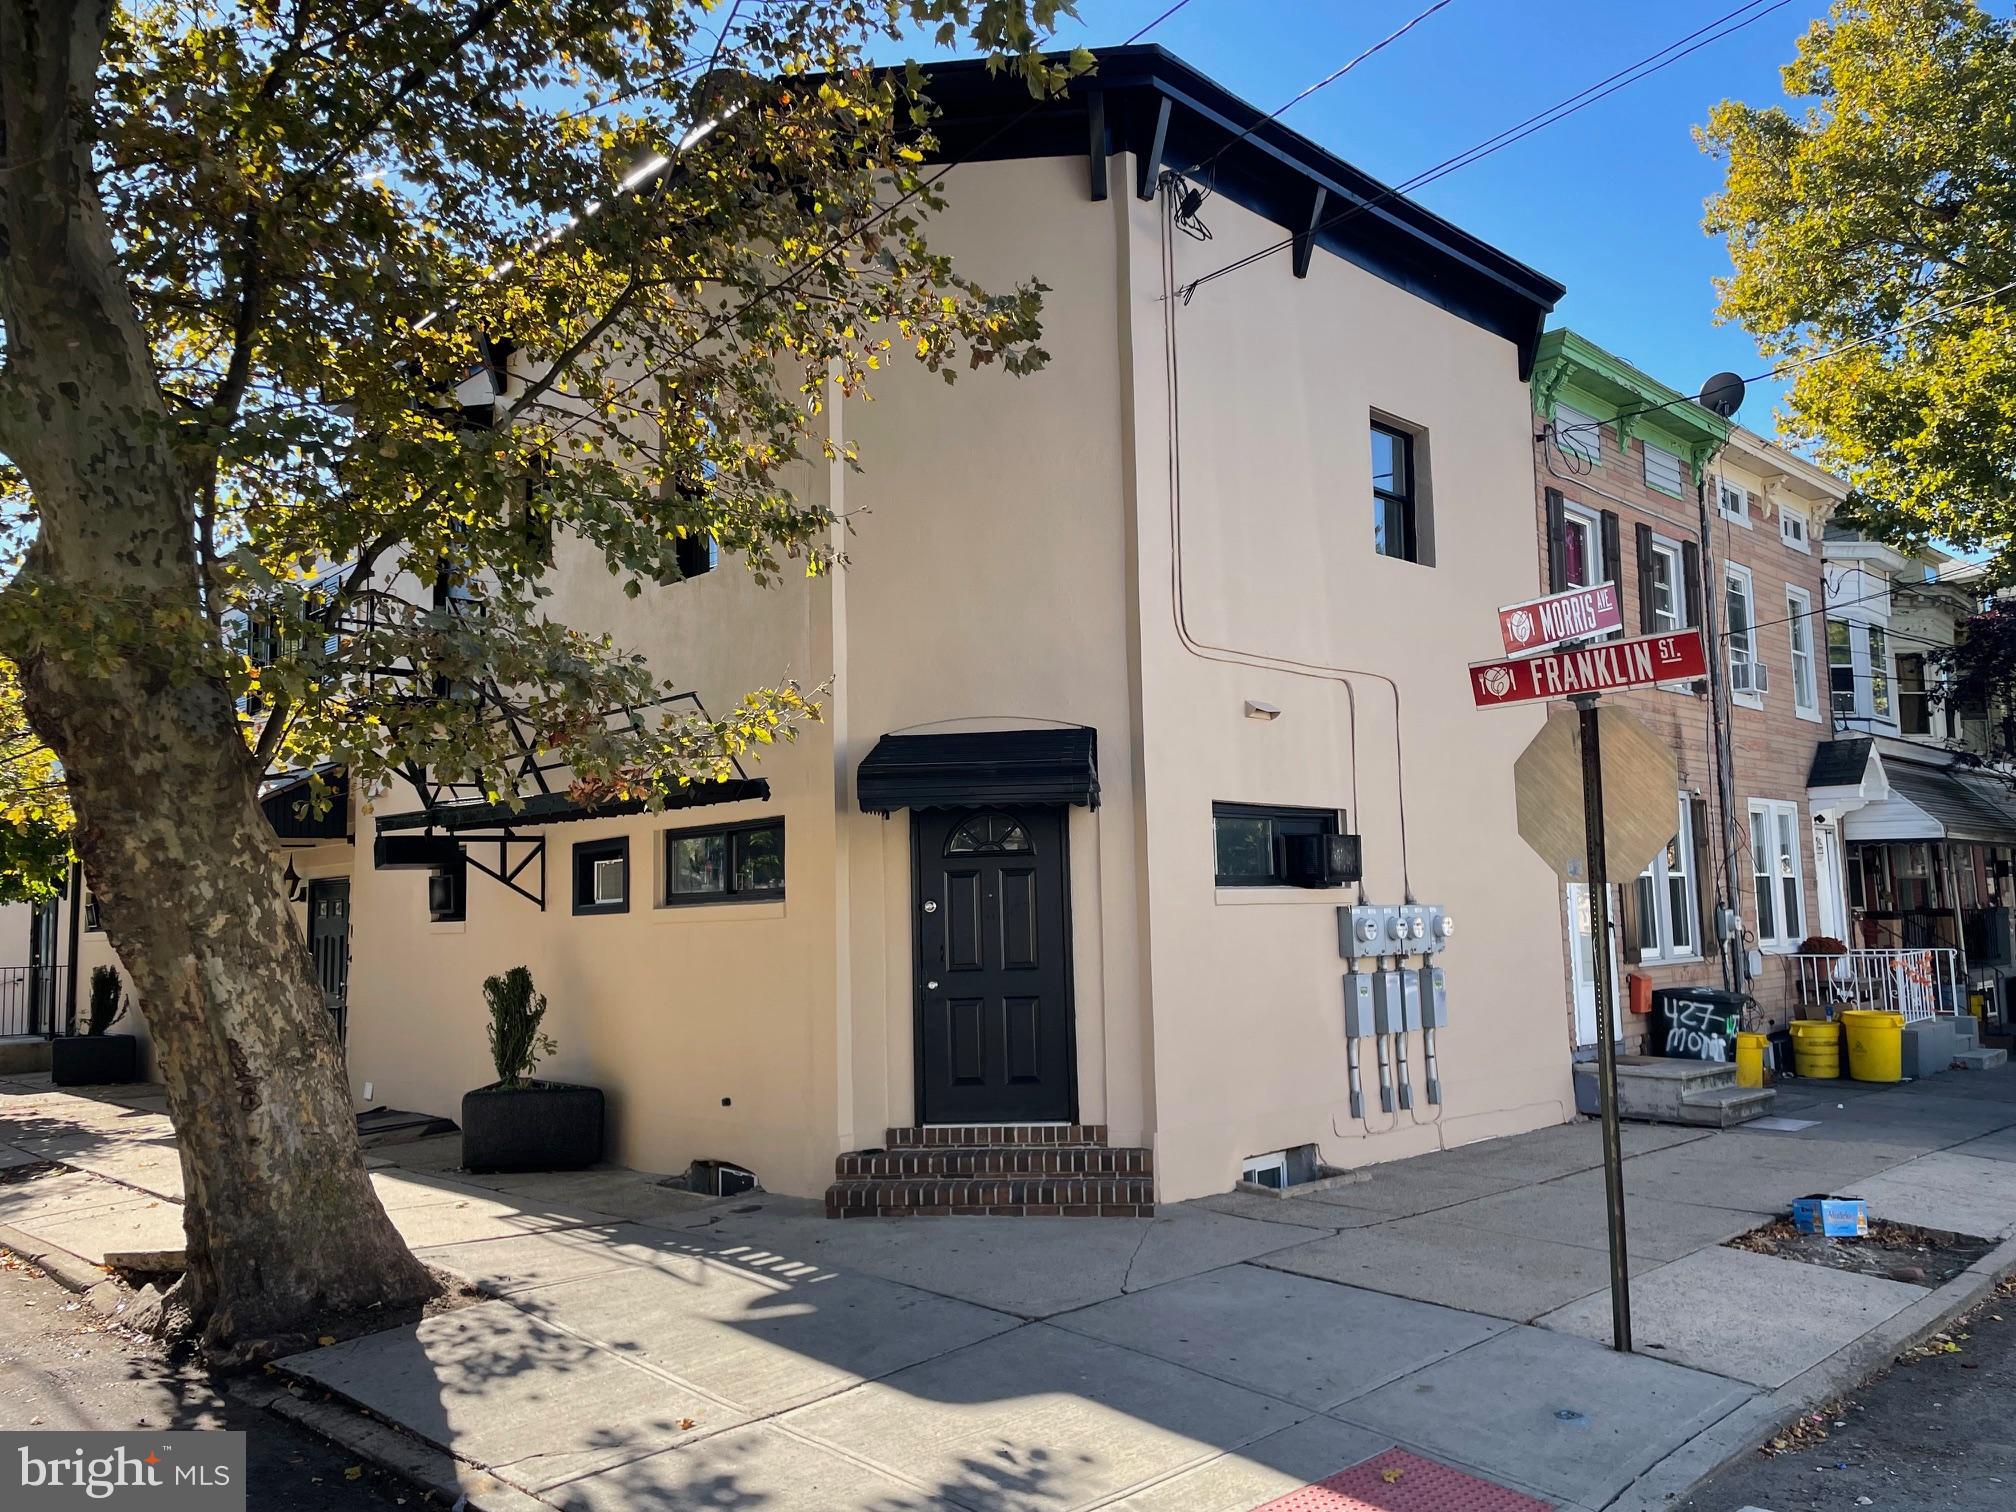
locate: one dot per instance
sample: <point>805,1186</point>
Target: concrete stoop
<point>1948,1043</point>
<point>1654,1089</point>
<point>23,1054</point>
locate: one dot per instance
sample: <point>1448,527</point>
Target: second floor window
<point>1914,698</point>
<point>1741,625</point>
<point>1394,523</point>
<point>1799,630</point>
<point>1666,590</point>
<point>1859,673</point>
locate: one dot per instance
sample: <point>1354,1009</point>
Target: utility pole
<point>1735,968</point>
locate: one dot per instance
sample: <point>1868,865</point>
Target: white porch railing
<point>1916,983</point>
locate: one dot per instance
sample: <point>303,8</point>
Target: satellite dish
<point>1723,395</point>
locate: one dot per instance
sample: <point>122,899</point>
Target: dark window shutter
<point>1690,569</point>
<point>1641,542</point>
<point>1613,547</point>
<point>1630,928</point>
<point>1704,886</point>
<point>1557,571</point>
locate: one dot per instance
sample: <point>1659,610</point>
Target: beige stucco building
<point>1145,591</point>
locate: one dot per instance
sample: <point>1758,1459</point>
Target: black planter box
<point>547,1126</point>
<point>91,1060</point>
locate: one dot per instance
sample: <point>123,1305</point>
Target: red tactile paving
<point>1397,1481</point>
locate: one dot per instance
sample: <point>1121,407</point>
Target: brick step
<point>995,1196</point>
<point>936,1136</point>
<point>958,1161</point>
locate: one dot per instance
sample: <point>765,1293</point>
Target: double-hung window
<point>1669,907</point>
<point>1795,527</point>
<point>741,863</point>
<point>1667,582</point>
<point>1734,501</point>
<point>1799,630</point>
<point>1879,675</point>
<point>1841,669</point>
<point>1775,873</point>
<point>1395,525</point>
<point>1746,678</point>
<point>1914,697</point>
<point>1582,564</point>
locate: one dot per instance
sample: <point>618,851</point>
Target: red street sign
<point>1590,669</point>
<point>1578,614</point>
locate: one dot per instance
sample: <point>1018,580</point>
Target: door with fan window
<point>994,1016</point>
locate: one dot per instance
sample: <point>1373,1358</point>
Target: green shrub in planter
<point>519,1123</point>
<point>97,1057</point>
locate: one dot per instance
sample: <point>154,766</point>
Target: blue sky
<point>1608,201</point>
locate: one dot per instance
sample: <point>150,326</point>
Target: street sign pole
<point>1606,1039</point>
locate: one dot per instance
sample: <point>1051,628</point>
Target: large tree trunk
<point>284,1228</point>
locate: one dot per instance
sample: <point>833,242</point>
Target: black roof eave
<point>1267,167</point>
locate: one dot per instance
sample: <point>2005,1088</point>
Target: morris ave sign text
<point>1577,614</point>
<point>1590,669</point>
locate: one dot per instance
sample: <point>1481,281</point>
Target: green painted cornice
<point>1573,365</point>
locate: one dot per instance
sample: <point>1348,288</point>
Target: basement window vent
<point>1285,1171</point>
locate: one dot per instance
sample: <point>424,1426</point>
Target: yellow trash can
<point>1816,1048</point>
<point>1750,1059</point>
<point>1875,1045</point>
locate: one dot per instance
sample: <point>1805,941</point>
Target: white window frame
<point>1665,458</point>
<point>1254,1167</point>
<point>1670,553</point>
<point>1740,512</point>
<point>1592,559</point>
<point>1777,843</point>
<point>1578,433</point>
<point>1872,665</point>
<point>1790,514</point>
<point>1799,639</point>
<point>1655,925</point>
<point>1732,573</point>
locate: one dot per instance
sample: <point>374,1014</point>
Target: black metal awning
<point>560,808</point>
<point>981,766</point>
<point>294,821</point>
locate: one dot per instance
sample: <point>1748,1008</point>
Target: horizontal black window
<point>602,876</point>
<point>742,862</point>
<point>1251,841</point>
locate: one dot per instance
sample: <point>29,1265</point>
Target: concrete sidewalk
<point>643,1350</point>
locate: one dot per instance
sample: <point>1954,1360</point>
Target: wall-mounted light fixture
<point>1264,711</point>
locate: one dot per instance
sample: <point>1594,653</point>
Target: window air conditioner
<point>1749,677</point>
<point>1321,860</point>
<point>609,880</point>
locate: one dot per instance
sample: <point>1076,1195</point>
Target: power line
<point>1799,363</point>
<point>1644,68</point>
<point>1323,83</point>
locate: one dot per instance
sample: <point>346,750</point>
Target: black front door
<point>993,967</point>
<point>329,942</point>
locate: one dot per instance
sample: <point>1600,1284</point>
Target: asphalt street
<point>1938,1430</point>
<point>61,1367</point>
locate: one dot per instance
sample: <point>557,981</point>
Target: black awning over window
<point>982,766</point>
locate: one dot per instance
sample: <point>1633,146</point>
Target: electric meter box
<point>1358,1005</point>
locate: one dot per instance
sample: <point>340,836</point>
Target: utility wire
<point>1644,68</point>
<point>1798,364</point>
<point>1323,83</point>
